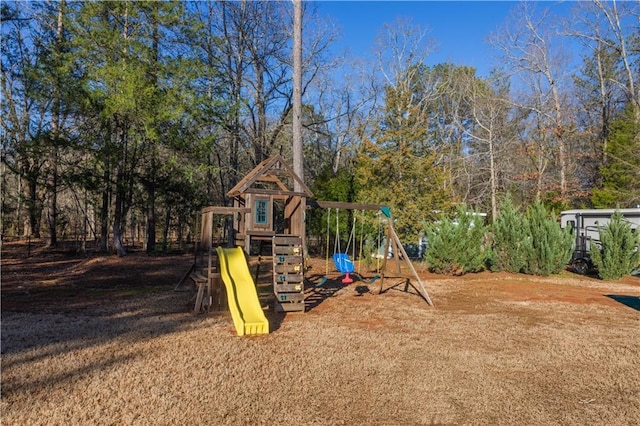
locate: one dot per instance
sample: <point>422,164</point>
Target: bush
<point>511,243</point>
<point>456,245</point>
<point>549,246</point>
<point>619,253</point>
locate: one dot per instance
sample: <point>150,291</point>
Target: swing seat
<point>343,263</point>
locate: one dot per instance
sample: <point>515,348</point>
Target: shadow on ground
<point>318,288</point>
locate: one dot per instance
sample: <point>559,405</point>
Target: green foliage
<point>511,243</point>
<point>550,246</point>
<point>553,201</point>
<point>338,187</point>
<point>456,245</point>
<point>621,171</point>
<point>330,187</point>
<point>619,253</point>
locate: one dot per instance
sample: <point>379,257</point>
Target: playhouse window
<point>262,215</point>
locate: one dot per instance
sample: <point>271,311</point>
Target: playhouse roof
<point>273,169</point>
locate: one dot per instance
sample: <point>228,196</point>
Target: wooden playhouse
<point>268,222</point>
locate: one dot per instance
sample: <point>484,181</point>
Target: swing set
<point>345,264</point>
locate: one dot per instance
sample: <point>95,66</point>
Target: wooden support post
<point>401,255</point>
<point>200,296</point>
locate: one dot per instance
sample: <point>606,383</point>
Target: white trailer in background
<point>585,226</point>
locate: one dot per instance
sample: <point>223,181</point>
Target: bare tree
<point>488,105</point>
<point>528,49</point>
<point>24,112</point>
<point>607,82</point>
<point>400,46</point>
<point>613,16</point>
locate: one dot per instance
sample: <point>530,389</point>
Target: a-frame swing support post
<point>392,238</point>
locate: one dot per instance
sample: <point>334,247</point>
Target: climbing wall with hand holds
<point>288,274</point>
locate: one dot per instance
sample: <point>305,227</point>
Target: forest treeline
<point>122,119</point>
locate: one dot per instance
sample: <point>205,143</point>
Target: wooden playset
<point>268,223</point>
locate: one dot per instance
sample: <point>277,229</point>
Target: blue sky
<point>459,28</point>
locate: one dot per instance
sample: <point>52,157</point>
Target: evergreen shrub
<point>549,246</point>
<point>511,242</point>
<point>619,253</point>
<point>455,246</point>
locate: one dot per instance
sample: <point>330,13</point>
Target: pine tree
<point>621,172</point>
<point>398,166</point>
<point>619,253</point>
<point>550,247</point>
<point>130,71</point>
<point>511,243</point>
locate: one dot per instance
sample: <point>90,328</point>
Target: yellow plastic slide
<point>247,314</point>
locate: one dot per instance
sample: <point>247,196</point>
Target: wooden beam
<point>401,253</point>
<point>225,210</point>
<point>255,232</point>
<point>278,172</point>
<point>270,166</point>
<point>273,179</point>
<point>342,205</point>
<point>305,189</point>
<point>274,192</point>
<point>251,177</point>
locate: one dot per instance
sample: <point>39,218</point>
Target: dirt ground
<point>95,339</point>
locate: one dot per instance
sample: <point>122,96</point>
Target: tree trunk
<point>235,73</point>
<point>52,197</point>
<point>33,207</point>
<point>151,187</point>
<point>261,133</point>
<point>165,231</point>
<point>118,219</point>
<point>180,232</point>
<point>85,223</point>
<point>493,180</point>
<point>52,177</point>
<point>560,138</point>
<point>151,216</point>
<point>120,210</point>
<point>104,211</point>
<point>298,162</point>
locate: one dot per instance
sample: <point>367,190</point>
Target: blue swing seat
<point>343,263</point>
